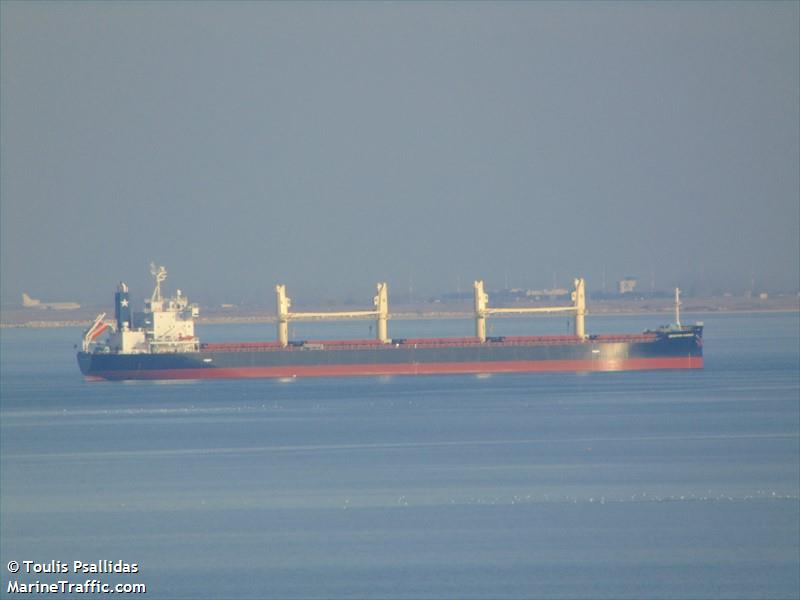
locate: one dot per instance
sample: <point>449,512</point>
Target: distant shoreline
<point>266,318</point>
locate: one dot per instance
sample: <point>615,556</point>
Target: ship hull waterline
<point>643,364</point>
<point>654,353</point>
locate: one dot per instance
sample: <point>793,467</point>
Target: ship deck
<point>448,342</point>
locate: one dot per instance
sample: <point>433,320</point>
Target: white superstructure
<point>166,325</point>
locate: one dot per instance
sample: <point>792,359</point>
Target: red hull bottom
<point>578,366</point>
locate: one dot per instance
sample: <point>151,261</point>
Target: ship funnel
<point>122,306</point>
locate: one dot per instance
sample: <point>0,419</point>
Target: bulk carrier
<point>160,343</point>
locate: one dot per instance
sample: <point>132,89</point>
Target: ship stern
<point>85,363</point>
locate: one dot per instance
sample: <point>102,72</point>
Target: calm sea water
<point>609,485</point>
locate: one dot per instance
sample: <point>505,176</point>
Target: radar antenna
<point>160,273</point>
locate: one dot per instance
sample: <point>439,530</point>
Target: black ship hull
<point>663,349</point>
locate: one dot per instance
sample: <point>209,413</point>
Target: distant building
<point>550,293</point>
<point>627,285</point>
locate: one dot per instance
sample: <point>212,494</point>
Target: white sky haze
<point>329,146</point>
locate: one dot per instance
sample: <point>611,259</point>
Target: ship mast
<point>160,273</point>
<point>678,306</point>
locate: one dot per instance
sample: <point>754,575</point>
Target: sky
<point>329,146</point>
